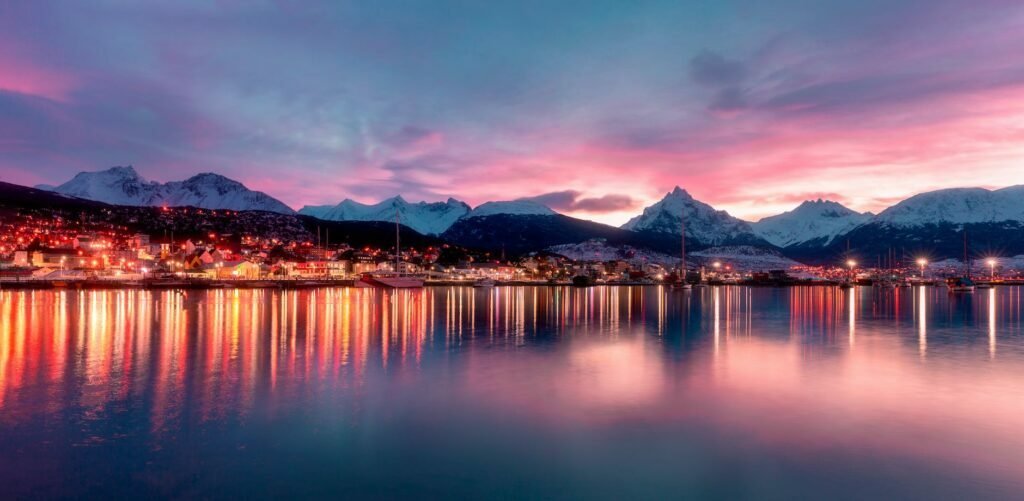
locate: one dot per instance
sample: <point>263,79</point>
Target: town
<point>40,249</point>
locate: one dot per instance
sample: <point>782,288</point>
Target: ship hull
<point>390,282</point>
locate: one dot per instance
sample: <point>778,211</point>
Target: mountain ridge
<point>428,218</point>
<point>818,221</point>
<point>122,185</point>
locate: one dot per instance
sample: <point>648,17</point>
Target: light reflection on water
<point>512,392</point>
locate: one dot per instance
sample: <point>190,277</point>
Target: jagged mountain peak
<point>121,170</point>
<point>679,192</point>
<point>704,224</point>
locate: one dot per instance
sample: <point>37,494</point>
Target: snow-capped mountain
<point>957,205</point>
<point>704,224</point>
<point>513,207</point>
<point>427,218</point>
<point>124,186</point>
<point>818,221</point>
<point>933,225</point>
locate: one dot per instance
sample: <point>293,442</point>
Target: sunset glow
<point>751,107</point>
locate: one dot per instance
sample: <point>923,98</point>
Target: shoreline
<point>350,283</point>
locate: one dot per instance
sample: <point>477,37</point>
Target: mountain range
<point>124,186</point>
<point>815,231</point>
<point>426,218</point>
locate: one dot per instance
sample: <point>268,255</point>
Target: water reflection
<point>910,374</point>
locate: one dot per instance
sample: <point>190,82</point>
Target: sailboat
<point>397,279</point>
<point>485,282</point>
<point>681,284</point>
<point>964,283</point>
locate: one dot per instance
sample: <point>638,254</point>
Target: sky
<point>597,108</point>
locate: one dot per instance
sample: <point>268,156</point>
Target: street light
<point>922,262</point>
<point>852,264</point>
<point>992,268</point>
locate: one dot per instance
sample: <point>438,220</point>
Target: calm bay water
<point>606,392</point>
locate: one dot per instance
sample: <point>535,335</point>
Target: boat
<point>961,284</point>
<point>964,283</point>
<point>984,286</point>
<point>392,280</point>
<point>485,282</point>
<point>389,281</point>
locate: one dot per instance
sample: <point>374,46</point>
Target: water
<point>725,392</point>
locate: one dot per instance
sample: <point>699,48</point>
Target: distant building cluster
<point>34,247</point>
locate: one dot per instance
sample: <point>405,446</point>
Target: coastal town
<point>46,252</point>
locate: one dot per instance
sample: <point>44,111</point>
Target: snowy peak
<point>214,191</point>
<point>116,185</point>
<point>124,186</point>
<point>824,208</point>
<point>703,223</point>
<point>513,207</point>
<point>429,218</point>
<point>957,205</point>
<point>818,221</point>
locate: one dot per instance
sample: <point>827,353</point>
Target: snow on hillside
<point>599,250</point>
<point>1005,266</point>
<point>957,205</point>
<point>515,207</point>
<point>812,220</point>
<point>124,186</point>
<point>707,225</point>
<point>739,258</point>
<point>427,218</point>
<point>742,258</point>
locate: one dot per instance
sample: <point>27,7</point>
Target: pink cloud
<point>21,74</point>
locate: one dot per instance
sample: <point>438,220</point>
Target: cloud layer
<point>599,107</point>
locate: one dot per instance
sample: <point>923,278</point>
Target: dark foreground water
<point>725,392</point>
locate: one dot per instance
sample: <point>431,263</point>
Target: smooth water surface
<point>518,392</point>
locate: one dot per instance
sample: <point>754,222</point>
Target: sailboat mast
<point>682,244</point>
<point>967,261</point>
<point>398,249</point>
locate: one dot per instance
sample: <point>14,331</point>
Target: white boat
<point>392,280</point>
<point>484,282</point>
